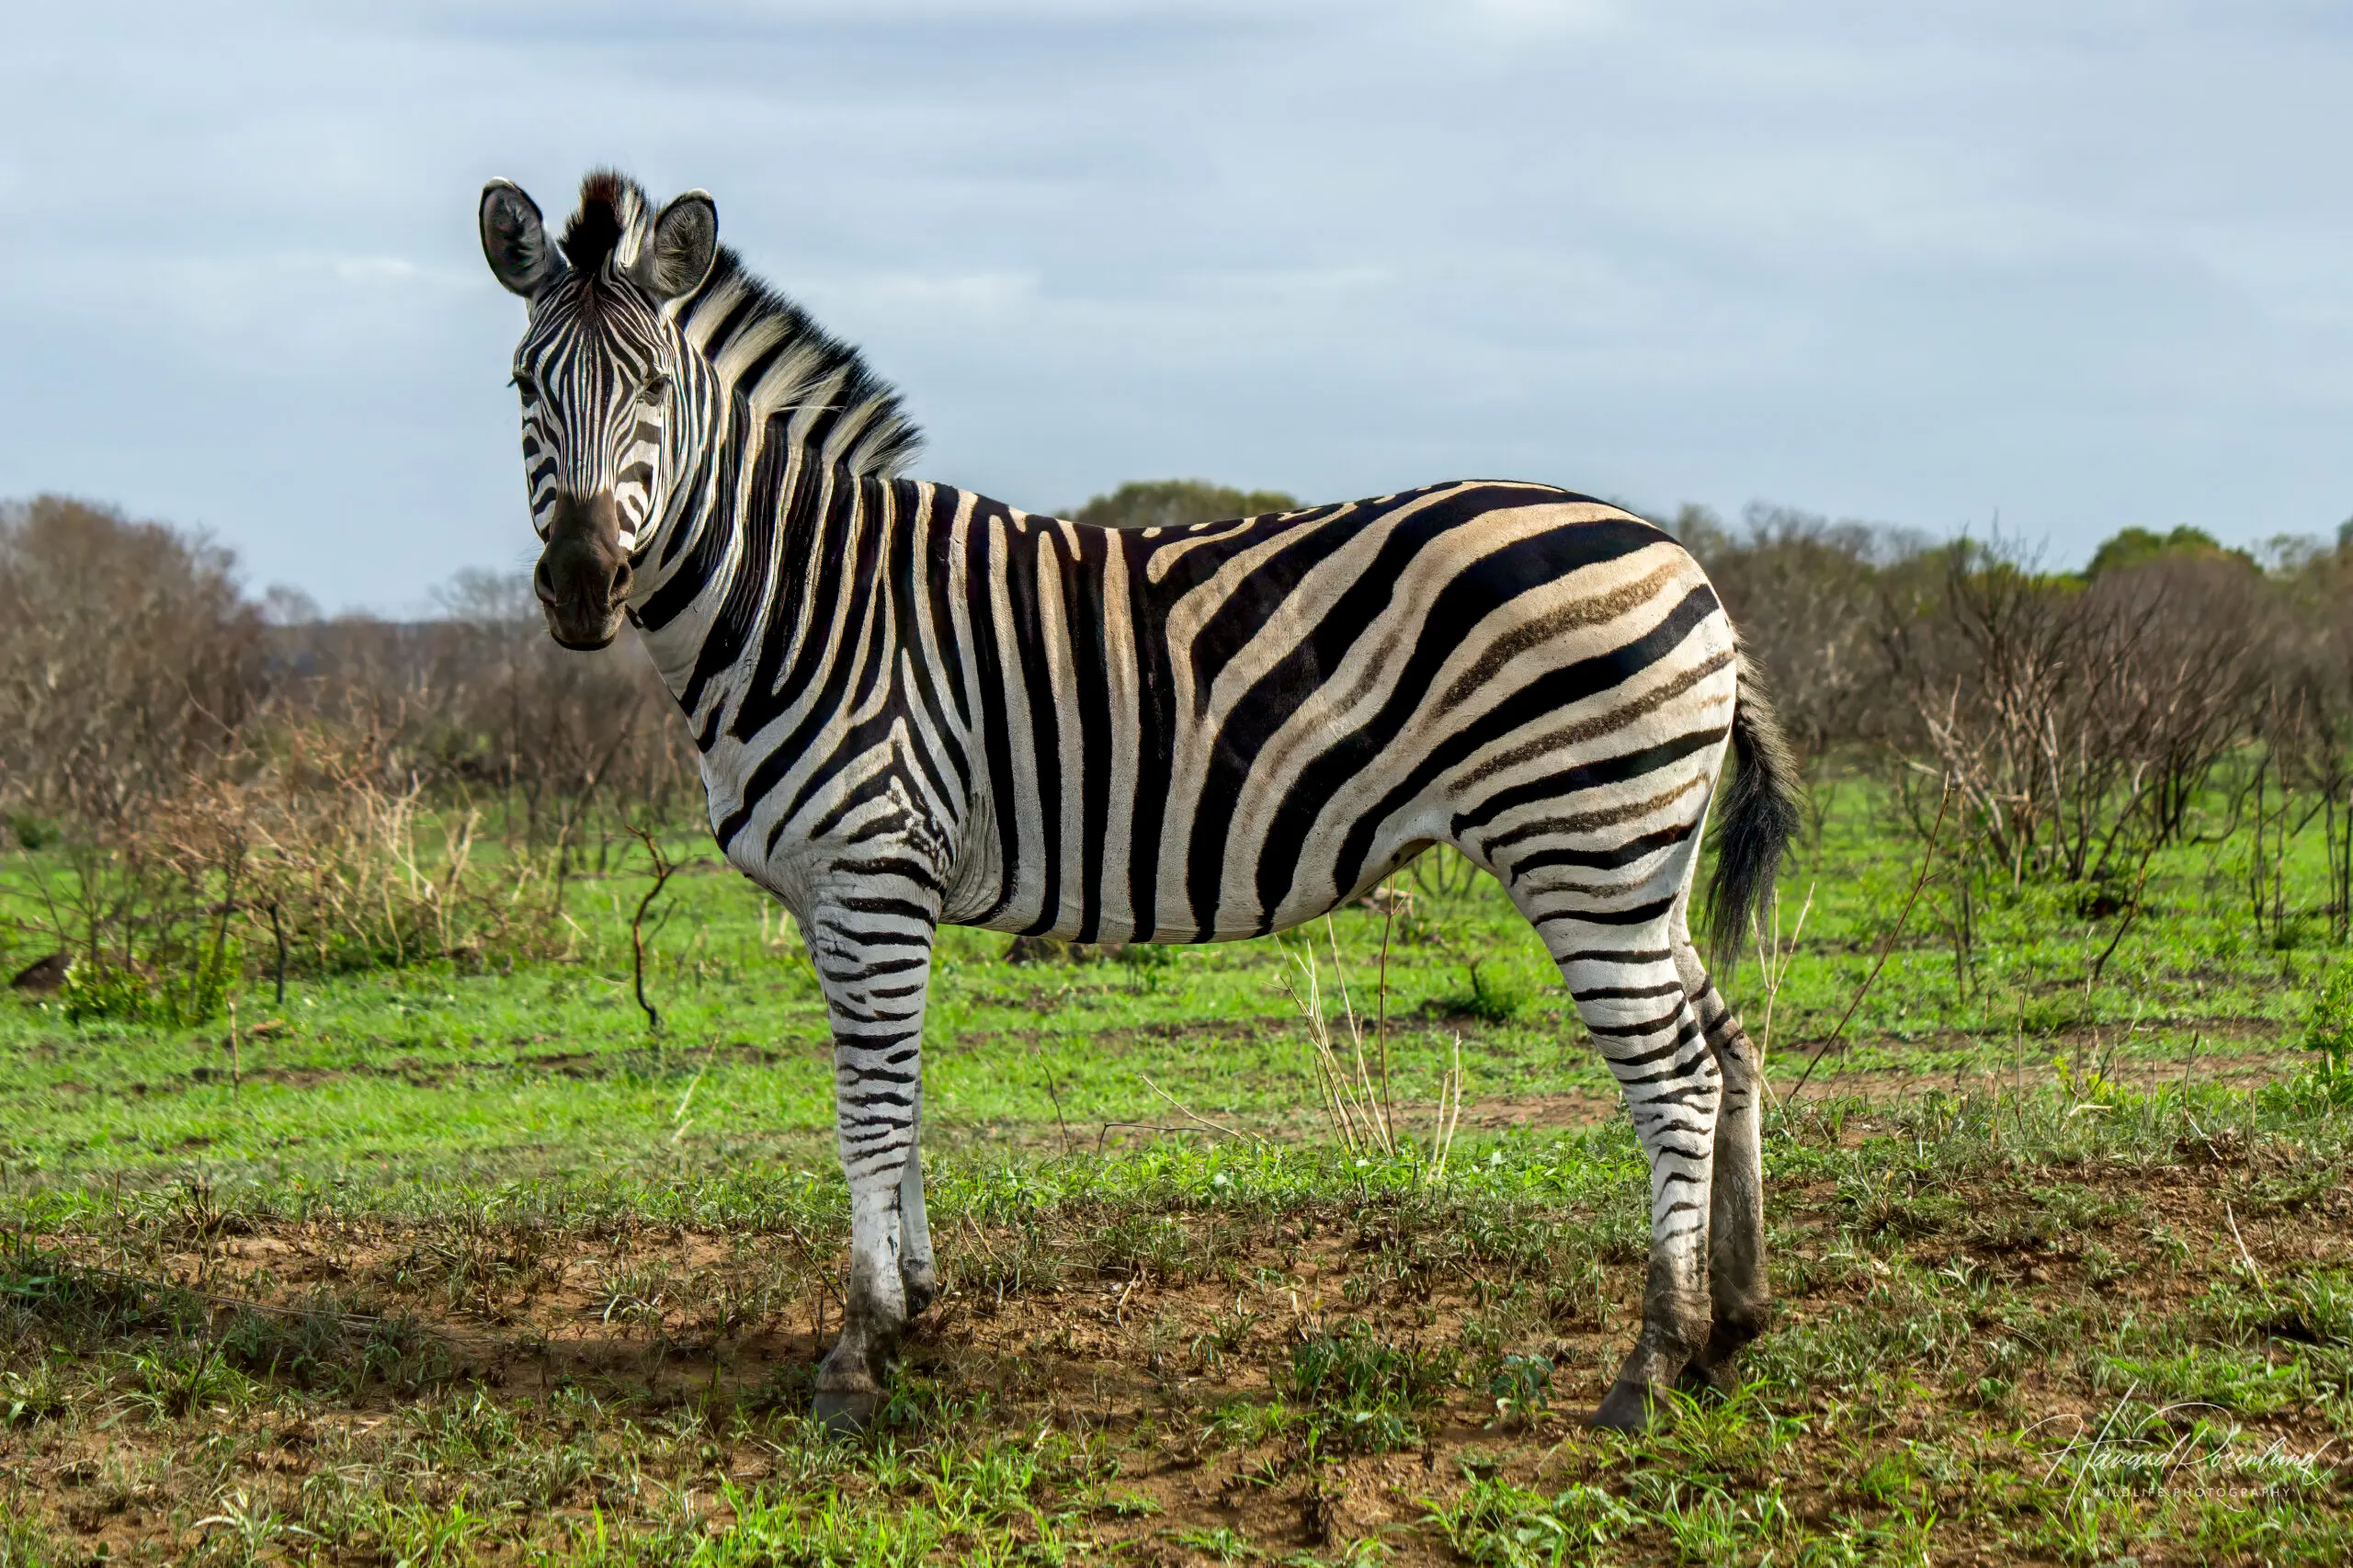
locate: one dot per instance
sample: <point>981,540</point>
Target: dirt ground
<point>1167,1350</point>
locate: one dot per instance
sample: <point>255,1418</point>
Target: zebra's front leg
<point>874,956</point>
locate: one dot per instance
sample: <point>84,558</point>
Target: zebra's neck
<point>781,404</point>
<point>766,350</point>
<point>760,513</point>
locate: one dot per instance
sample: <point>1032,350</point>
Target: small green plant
<point>173,1382</point>
<point>1147,964</point>
<point>1223,1544</point>
<point>1363,1394</point>
<point>429,1537</point>
<point>24,1541</point>
<point>2328,1037</point>
<point>1244,1424</point>
<point>1491,999</point>
<point>27,1397</point>
<point>1521,1386</point>
<point>1498,1525</point>
<point>242,1523</point>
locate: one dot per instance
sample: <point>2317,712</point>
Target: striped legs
<point>1632,1000</point>
<point>873,955</point>
<point>1690,1078</point>
<point>1741,1300</point>
<point>918,1274</point>
<point>1621,967</point>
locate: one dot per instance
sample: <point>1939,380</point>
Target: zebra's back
<point>1214,732</point>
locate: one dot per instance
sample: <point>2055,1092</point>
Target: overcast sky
<point>2083,265</point>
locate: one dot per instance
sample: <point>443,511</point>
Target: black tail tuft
<point>1757,817</point>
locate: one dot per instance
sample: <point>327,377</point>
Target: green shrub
<point>2328,1035</point>
<point>25,1542</point>
<point>179,997</point>
<point>1521,1386</point>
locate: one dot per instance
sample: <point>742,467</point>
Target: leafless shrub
<point>190,765</point>
<point>311,856</point>
<point>557,746</point>
<point>2196,689</point>
<point>2078,722</point>
<point>344,865</point>
<point>144,924</point>
<point>1805,592</point>
<point>2307,719</point>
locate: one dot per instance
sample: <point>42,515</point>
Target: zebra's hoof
<point>846,1413</point>
<point>922,1287</point>
<point>1627,1407</point>
<point>1714,1381</point>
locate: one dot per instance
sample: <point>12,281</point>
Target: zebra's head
<point>608,382</point>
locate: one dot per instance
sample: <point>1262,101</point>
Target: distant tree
<point>1805,592</point>
<point>1176,503</point>
<point>2138,547</point>
<point>128,656</point>
<point>285,605</point>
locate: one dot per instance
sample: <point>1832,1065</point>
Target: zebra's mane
<point>762,343</point>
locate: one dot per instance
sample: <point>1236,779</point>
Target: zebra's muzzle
<point>583,578</point>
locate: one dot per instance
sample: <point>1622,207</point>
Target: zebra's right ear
<point>514,240</point>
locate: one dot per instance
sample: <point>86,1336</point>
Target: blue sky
<point>2083,266</point>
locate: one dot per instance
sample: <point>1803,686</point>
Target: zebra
<point>913,705</point>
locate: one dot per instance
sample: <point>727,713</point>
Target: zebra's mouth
<point>584,626</point>
<point>583,578</point>
<point>582,622</point>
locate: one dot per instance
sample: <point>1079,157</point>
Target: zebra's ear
<point>686,242</point>
<point>514,240</point>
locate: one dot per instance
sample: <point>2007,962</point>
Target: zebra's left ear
<point>686,242</point>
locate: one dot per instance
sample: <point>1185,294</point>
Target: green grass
<point>453,1268</point>
<point>394,1074</point>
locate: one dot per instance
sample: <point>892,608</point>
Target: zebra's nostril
<point>543,581</point>
<point>622,579</point>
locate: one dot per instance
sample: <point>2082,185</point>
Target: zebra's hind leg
<point>1632,998</point>
<point>1740,1298</point>
<point>918,1272</point>
<point>873,955</point>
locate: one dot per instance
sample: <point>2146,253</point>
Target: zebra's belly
<point>1093,906</point>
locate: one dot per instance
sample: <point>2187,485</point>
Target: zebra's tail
<point>1757,816</point>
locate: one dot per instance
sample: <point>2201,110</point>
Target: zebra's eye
<point>656,388</point>
<point>524,384</point>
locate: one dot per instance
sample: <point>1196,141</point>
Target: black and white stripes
<point>915,705</point>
